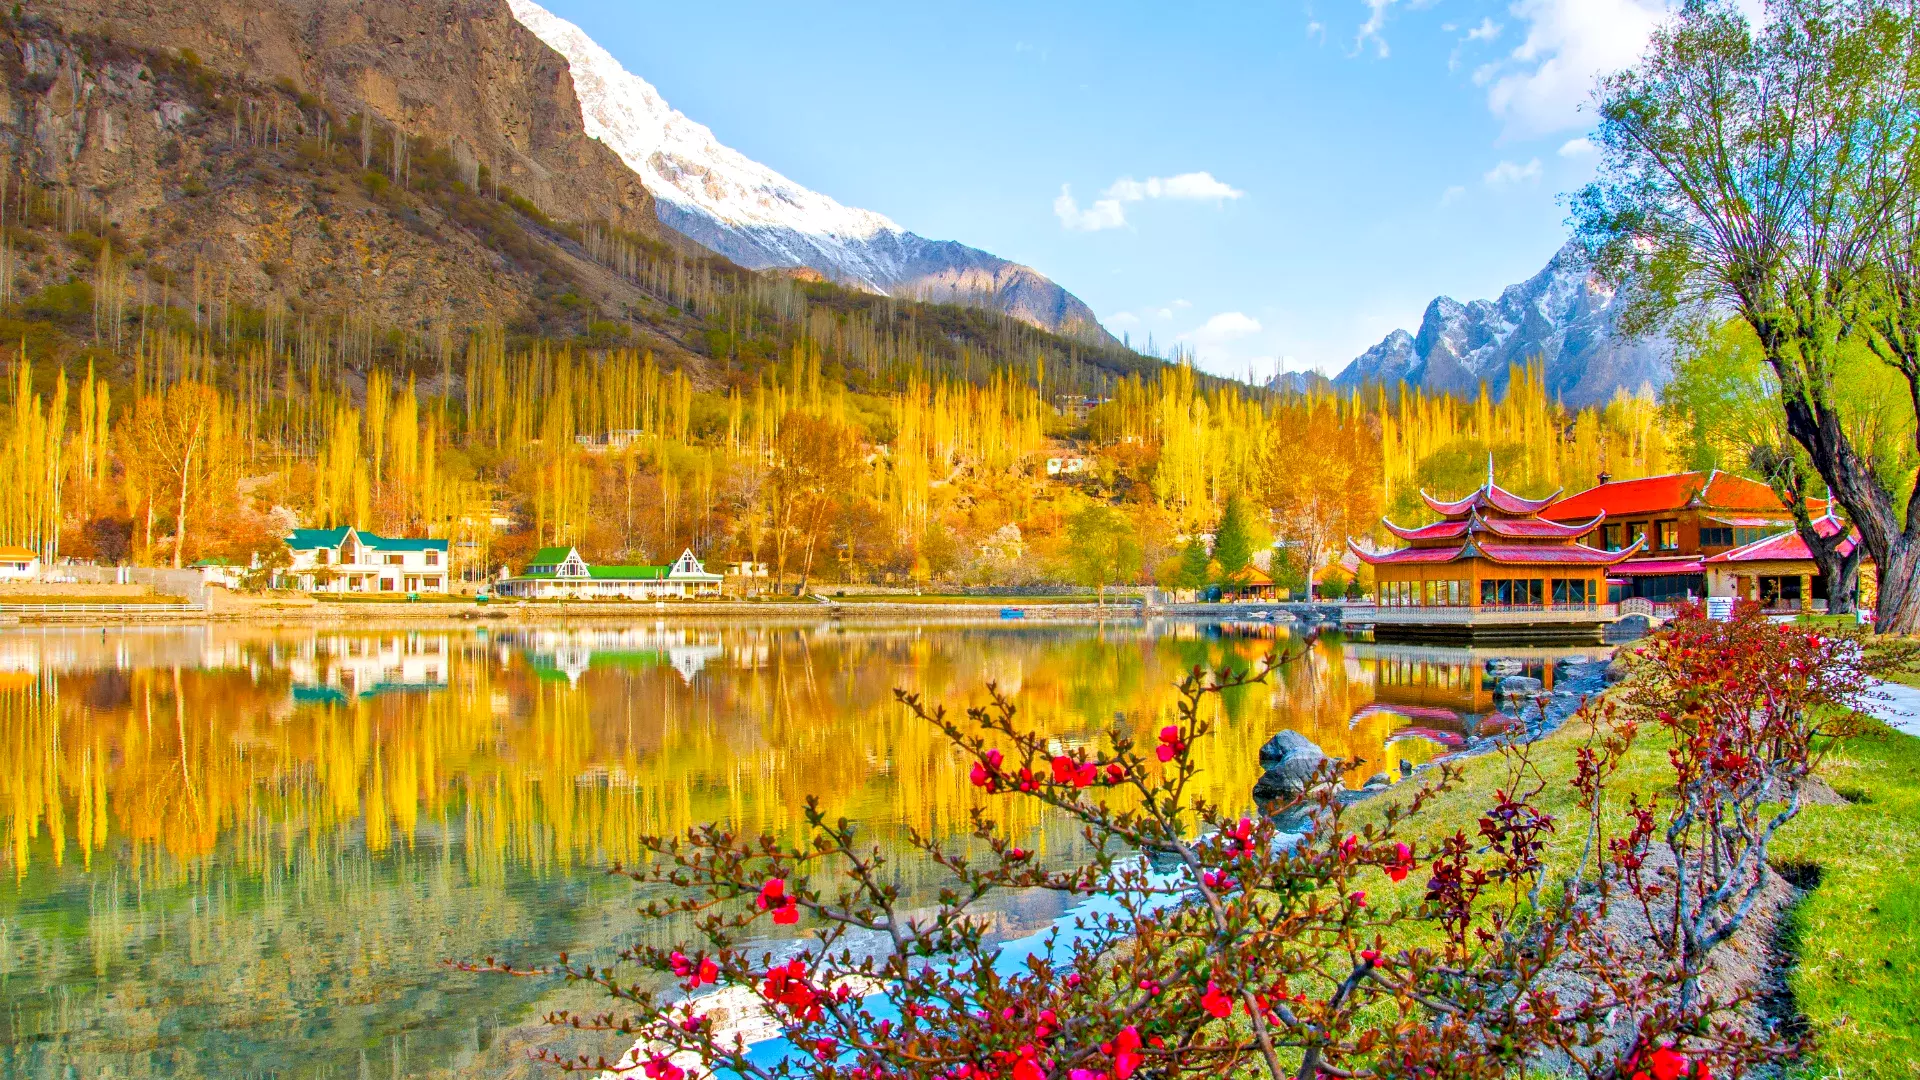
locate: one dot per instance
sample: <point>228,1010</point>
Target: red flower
<point>1402,864</point>
<point>1126,1053</point>
<point>774,898</point>
<point>1218,1005</point>
<point>1115,773</point>
<point>787,985</point>
<point>659,1068</point>
<point>1668,1064</point>
<point>697,975</point>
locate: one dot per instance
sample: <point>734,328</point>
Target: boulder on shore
<point>1519,684</point>
<point>1291,761</point>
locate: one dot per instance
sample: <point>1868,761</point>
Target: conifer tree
<point>1233,541</point>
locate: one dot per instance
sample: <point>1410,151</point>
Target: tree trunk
<point>1850,480</point>
<point>180,525</point>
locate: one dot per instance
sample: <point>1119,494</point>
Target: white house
<point>560,573</point>
<point>18,563</point>
<point>1067,466</point>
<point>347,560</point>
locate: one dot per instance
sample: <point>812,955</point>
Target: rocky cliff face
<point>292,157</point>
<point>1560,318</point>
<point>463,73</point>
<point>763,220</point>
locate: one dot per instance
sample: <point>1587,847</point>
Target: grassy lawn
<point>1857,934</point>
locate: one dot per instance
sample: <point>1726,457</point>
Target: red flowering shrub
<point>1249,951</point>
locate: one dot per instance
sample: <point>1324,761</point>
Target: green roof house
<point>350,560</point>
<point>556,573</point>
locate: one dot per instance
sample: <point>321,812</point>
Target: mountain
<point>1299,382</point>
<point>762,220</point>
<point>1561,317</point>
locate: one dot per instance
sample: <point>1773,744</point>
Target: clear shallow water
<point>229,852</point>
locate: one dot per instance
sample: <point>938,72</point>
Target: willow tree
<point>1770,173</point>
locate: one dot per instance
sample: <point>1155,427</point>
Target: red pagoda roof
<point>1786,546</point>
<point>1490,496</point>
<point>1535,528</point>
<point>1444,554</point>
<point>1439,530</point>
<point>1711,491</point>
<point>1580,554</point>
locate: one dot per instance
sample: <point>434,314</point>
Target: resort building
<point>18,563</point>
<point>1491,569</point>
<point>348,560</point>
<point>1676,521</point>
<point>1779,573</point>
<point>559,573</point>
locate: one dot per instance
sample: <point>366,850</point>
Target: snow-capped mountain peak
<point>761,219</point>
<point>1562,318</point>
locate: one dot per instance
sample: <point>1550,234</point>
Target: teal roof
<point>549,556</point>
<point>308,539</point>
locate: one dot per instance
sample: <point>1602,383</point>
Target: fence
<point>183,583</point>
<point>101,609</point>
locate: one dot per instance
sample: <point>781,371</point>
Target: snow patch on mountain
<point>1563,318</point>
<point>762,220</point>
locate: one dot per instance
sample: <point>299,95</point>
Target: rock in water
<point>1519,684</point>
<point>1291,761</point>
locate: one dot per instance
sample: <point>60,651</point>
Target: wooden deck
<point>1513,624</point>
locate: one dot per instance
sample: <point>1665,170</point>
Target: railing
<point>101,609</point>
<point>1591,608</point>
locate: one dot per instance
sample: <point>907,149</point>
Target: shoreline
<point>993,610</point>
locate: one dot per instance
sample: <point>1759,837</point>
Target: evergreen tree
<point>1233,541</point>
<point>1193,564</point>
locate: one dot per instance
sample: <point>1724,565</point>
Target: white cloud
<point>1183,303</point>
<point>1103,214</point>
<point>1370,30</point>
<point>1569,43</point>
<point>1486,31</point>
<point>1507,173</point>
<point>1452,195</point>
<point>1124,318</point>
<point>1224,327</point>
<point>1108,211</point>
<point>1579,147</point>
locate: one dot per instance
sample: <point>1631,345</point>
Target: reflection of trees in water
<point>260,882</point>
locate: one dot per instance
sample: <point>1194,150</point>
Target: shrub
<point>1223,946</point>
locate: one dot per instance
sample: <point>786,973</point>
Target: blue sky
<point>1359,156</point>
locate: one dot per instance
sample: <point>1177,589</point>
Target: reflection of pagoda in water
<point>570,653</point>
<point>338,668</point>
<point>1438,697</point>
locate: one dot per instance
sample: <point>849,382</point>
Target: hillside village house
<point>348,560</point>
<point>557,573</point>
<point>18,563</point>
<point>1671,525</point>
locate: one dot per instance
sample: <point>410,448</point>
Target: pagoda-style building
<point>1493,570</point>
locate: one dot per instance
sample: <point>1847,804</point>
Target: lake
<point>236,852</point>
